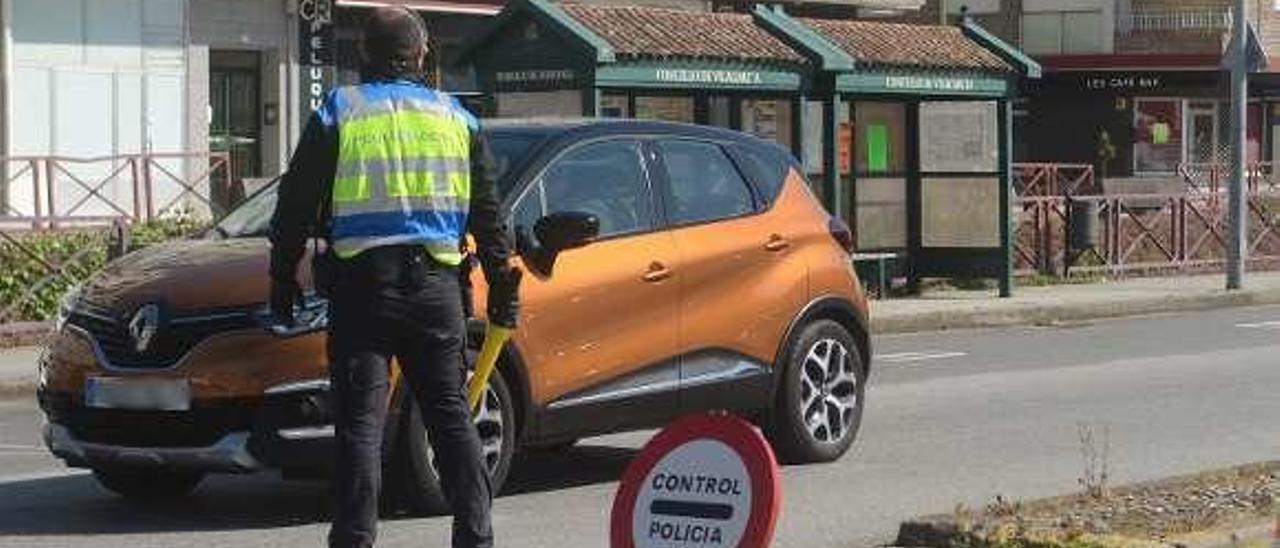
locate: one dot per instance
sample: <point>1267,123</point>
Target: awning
<point>467,7</point>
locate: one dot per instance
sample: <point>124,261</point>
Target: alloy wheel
<point>489,424</point>
<point>828,391</point>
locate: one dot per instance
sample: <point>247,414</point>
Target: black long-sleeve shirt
<point>302,208</point>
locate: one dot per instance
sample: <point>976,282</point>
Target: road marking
<point>1260,325</point>
<point>909,357</point>
<point>46,475</point>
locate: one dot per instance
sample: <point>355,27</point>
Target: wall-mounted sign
<point>316,52</point>
<point>706,480</point>
<point>1122,82</point>
<point>709,76</point>
<point>930,83</point>
<point>923,83</point>
<point>534,76</point>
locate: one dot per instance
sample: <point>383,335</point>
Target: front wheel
<point>414,476</point>
<point>148,484</point>
<point>821,395</point>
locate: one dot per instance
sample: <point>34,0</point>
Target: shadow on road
<point>76,505</point>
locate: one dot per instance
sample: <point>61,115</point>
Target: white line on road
<point>1260,325</point>
<point>36,476</point>
<point>908,357</point>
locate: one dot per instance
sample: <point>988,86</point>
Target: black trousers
<point>396,301</point>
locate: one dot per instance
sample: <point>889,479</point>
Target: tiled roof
<point>657,32</point>
<point>883,44</point>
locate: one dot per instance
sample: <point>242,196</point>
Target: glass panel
<point>1084,32</point>
<point>812,158</point>
<point>959,137</point>
<point>1042,33</point>
<point>670,109</point>
<point>882,213</point>
<point>1158,135</point>
<point>880,138</point>
<point>604,179</point>
<point>539,104</point>
<point>718,111</point>
<point>768,119</point>
<point>961,212</point>
<point>705,185</point>
<point>614,106</point>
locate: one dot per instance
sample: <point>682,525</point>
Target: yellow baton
<point>494,337</point>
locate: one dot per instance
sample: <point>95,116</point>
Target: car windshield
<point>252,219</point>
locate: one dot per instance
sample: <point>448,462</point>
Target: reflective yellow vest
<point>404,168</point>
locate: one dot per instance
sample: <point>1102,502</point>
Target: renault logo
<point>144,325</point>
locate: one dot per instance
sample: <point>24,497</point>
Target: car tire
<point>818,409</point>
<point>414,478</point>
<point>148,484</point>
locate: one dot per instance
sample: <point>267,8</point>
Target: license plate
<point>137,394</point>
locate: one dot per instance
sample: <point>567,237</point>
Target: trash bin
<point>1083,224</point>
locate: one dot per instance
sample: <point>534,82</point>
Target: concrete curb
<point>943,532</point>
<point>16,334</point>
<point>995,313</point>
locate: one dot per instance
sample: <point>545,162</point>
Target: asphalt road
<point>952,417</point>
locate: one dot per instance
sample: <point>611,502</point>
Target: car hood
<point>185,276</point>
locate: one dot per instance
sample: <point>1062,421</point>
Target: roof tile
<point>659,32</point>
<point>883,44</point>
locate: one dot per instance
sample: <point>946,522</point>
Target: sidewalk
<point>1051,305</point>
<point>18,371</point>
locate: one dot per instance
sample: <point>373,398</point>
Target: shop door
<point>1202,134</point>
<point>234,117</point>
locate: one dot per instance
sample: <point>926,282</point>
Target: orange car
<point>671,269</point>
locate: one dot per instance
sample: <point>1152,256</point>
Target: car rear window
<point>766,166</point>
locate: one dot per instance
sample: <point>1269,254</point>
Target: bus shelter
<point>904,130</point>
<point>568,60</point>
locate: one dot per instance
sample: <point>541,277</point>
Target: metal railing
<point>56,191</point>
<point>1049,179</point>
<point>1142,232</point>
<point>1175,20</point>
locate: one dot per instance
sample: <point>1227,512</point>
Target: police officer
<point>394,173</point>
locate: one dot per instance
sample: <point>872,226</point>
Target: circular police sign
<point>706,480</point>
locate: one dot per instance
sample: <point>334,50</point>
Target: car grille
<point>202,426</point>
<point>169,344</point>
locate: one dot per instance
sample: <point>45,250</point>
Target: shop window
<point>1064,32</point>
<point>959,137</point>
<point>605,179</point>
<point>670,109</point>
<point>1157,135</point>
<point>705,185</point>
<point>880,138</point>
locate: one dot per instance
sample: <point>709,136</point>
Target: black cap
<point>394,37</point>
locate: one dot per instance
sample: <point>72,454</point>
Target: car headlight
<point>65,307</point>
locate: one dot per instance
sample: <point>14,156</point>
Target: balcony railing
<point>1175,20</point>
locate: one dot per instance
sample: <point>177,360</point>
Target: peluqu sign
<point>316,50</point>
<point>706,480</point>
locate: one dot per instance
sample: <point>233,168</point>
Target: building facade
<point>1147,77</point>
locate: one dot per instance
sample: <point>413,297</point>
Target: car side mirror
<point>554,234</point>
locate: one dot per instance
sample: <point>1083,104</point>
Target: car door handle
<point>657,272</point>
<point>776,243</point>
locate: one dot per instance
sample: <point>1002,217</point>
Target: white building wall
<point>91,79</point>
<point>263,26</point>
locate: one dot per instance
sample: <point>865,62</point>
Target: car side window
<point>530,208</point>
<point>606,179</point>
<point>705,184</point>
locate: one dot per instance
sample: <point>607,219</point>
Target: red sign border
<point>741,436</point>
